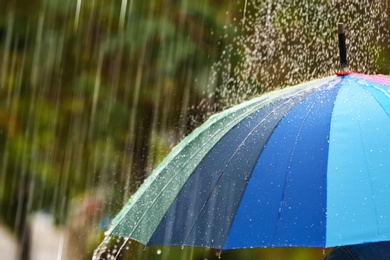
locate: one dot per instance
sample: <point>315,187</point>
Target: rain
<point>96,93</point>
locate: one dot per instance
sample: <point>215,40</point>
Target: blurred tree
<point>92,89</point>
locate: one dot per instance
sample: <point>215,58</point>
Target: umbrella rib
<point>223,171</point>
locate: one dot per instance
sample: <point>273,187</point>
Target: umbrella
<point>305,166</point>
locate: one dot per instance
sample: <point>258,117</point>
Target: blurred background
<point>95,93</point>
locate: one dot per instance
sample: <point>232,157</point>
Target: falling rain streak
<point>94,94</point>
<point>283,43</point>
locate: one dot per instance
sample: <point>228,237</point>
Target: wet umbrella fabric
<point>306,166</point>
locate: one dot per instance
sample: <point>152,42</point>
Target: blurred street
<point>7,244</point>
<point>46,243</point>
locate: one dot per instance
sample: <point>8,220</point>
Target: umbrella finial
<point>343,51</point>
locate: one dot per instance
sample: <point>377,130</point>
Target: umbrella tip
<point>344,70</point>
<point>340,27</point>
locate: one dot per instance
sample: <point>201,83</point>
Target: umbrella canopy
<point>306,166</point>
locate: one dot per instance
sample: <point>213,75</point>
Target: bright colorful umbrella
<point>306,166</point>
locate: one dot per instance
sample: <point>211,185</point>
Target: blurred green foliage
<point>95,93</point>
<point>90,88</point>
<point>135,250</point>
